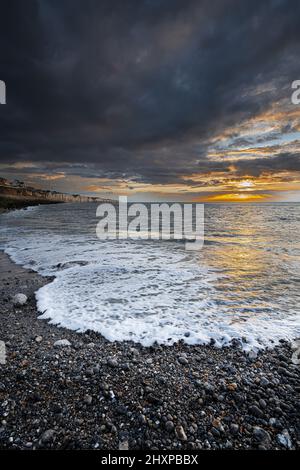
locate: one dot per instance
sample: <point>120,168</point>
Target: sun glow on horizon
<point>237,197</point>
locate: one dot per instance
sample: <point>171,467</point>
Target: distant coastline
<point>16,195</point>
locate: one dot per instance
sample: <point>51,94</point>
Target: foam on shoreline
<point>146,292</point>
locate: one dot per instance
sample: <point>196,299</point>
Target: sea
<point>243,285</point>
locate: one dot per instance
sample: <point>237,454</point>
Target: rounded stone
<point>19,299</point>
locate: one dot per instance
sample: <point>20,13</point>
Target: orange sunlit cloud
<point>57,176</point>
<point>237,188</point>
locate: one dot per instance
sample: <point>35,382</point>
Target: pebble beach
<point>60,389</point>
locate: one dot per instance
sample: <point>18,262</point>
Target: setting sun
<point>246,184</point>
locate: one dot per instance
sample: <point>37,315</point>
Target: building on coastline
<point>19,190</point>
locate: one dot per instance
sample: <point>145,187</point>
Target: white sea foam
<point>163,305</point>
<point>155,291</point>
<point>20,212</point>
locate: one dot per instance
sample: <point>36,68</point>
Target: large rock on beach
<point>19,299</point>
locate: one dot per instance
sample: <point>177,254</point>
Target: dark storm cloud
<point>285,161</point>
<point>139,87</point>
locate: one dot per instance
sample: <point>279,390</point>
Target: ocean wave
<point>155,291</point>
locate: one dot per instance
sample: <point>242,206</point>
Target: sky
<point>154,99</point>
